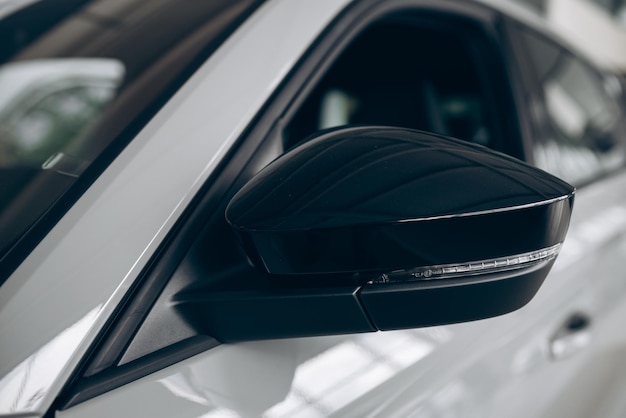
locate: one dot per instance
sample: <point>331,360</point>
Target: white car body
<point>56,303</point>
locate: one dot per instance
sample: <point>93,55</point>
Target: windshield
<point>78,80</point>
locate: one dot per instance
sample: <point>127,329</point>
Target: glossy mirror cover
<point>377,198</point>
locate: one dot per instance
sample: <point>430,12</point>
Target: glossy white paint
<point>10,6</point>
<point>68,287</point>
<point>489,368</point>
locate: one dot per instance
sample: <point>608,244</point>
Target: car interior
<point>422,77</point>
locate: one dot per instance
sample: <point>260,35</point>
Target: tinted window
<point>579,127</point>
<point>406,73</point>
<point>78,79</point>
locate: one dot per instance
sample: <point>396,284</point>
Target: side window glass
<point>579,133</point>
<point>401,73</point>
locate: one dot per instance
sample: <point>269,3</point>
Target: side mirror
<point>377,228</point>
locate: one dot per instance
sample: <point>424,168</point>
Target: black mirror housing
<point>430,230</point>
<point>361,200</point>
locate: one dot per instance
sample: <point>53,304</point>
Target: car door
<point>151,362</point>
<point>579,134</point>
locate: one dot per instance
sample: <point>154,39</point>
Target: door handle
<point>571,337</point>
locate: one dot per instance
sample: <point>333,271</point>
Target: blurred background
<point>598,27</point>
